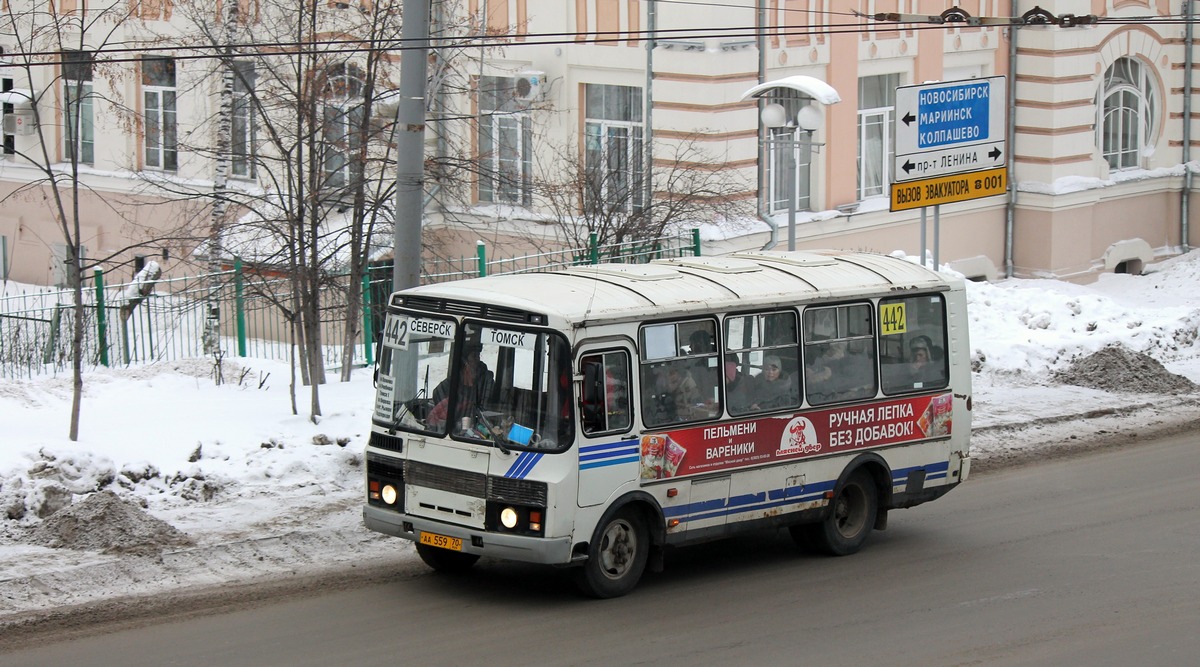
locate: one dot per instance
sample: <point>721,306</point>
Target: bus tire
<point>444,560</point>
<point>617,555</point>
<point>851,516</point>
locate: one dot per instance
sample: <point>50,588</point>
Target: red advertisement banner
<point>747,442</point>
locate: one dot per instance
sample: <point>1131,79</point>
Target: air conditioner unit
<point>19,123</point>
<point>529,85</point>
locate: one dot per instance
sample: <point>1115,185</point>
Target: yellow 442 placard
<point>892,319</point>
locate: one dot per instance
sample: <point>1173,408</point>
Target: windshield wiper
<point>497,434</point>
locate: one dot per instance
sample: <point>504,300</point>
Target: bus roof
<point>741,281</point>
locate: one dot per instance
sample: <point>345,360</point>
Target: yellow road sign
<point>949,189</point>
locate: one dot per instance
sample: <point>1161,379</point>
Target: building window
<point>785,144</point>
<point>342,122</point>
<point>505,143</point>
<point>876,146</point>
<point>1128,107</point>
<point>80,141</point>
<point>613,148</point>
<point>243,148</point>
<point>158,97</point>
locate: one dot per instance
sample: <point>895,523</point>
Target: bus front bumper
<point>545,550</point>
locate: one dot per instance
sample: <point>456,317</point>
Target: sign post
<point>950,145</point>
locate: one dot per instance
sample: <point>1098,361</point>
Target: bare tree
<point>690,188</point>
<point>56,49</point>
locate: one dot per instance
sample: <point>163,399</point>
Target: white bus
<point>594,416</point>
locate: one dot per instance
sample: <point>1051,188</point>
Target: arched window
<point>342,106</point>
<point>1128,107</point>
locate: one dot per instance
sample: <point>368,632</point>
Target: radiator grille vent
<point>518,491</point>
<point>445,479</point>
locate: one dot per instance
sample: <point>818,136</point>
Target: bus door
<point>609,449</point>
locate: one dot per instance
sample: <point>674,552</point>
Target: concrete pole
<point>410,145</point>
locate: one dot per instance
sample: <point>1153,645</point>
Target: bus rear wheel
<point>617,556</point>
<point>851,516</point>
<point>444,560</point>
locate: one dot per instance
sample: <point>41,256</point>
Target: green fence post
<point>239,305</point>
<point>368,329</point>
<point>594,248</point>
<point>696,242</point>
<point>101,324</point>
<point>481,251</point>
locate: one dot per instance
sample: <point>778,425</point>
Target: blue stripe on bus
<point>608,462</point>
<point>932,471</point>
<point>608,445</point>
<point>750,502</point>
<point>609,454</point>
<point>524,464</point>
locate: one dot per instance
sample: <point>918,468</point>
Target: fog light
<point>389,494</point>
<point>508,517</point>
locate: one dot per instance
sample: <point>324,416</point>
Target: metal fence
<point>36,326</point>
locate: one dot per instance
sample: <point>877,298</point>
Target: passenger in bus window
<point>676,394</point>
<point>774,388</point>
<point>922,369</point>
<point>739,387</point>
<point>824,371</point>
<point>475,385</point>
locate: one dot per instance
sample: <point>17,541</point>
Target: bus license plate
<point>441,541</point>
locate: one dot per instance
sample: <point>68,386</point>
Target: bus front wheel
<point>444,560</point>
<point>851,516</point>
<point>617,556</point>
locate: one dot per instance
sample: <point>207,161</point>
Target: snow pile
<point>1031,326</point>
<point>107,523</point>
<point>1116,368</point>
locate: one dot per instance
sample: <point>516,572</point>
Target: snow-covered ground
<point>228,485</point>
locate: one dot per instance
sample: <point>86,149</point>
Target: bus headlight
<point>389,494</point>
<point>508,517</point>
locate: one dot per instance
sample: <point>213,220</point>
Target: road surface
<point>1092,560</point>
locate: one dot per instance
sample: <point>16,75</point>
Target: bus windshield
<point>476,382</point>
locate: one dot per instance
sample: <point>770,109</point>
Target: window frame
<point>614,407</point>
<point>875,170</point>
<point>756,353</point>
<point>936,333</point>
<point>613,136</point>
<point>341,109</point>
<point>1126,127</point>
<point>78,108</point>
<point>843,338</point>
<point>505,167</point>
<point>776,156</point>
<point>243,143</point>
<point>160,113</point>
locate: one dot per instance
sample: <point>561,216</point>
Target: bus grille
<point>445,479</point>
<point>503,489</point>
<point>388,442</point>
<point>384,466</point>
<point>517,491</point>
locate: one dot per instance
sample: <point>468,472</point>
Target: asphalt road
<point>1093,560</point>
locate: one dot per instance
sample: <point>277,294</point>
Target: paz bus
<point>594,416</point>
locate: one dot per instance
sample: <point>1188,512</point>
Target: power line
<point>360,45</point>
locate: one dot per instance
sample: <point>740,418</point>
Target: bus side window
<point>839,353</point>
<point>913,333</point>
<point>604,396</point>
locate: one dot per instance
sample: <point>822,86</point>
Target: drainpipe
<point>1010,210</point>
<point>651,42</point>
<point>1187,126</point>
<point>761,36</point>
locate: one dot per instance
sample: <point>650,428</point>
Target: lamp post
<point>807,119</point>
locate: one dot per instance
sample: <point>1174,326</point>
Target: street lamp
<point>807,119</point>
